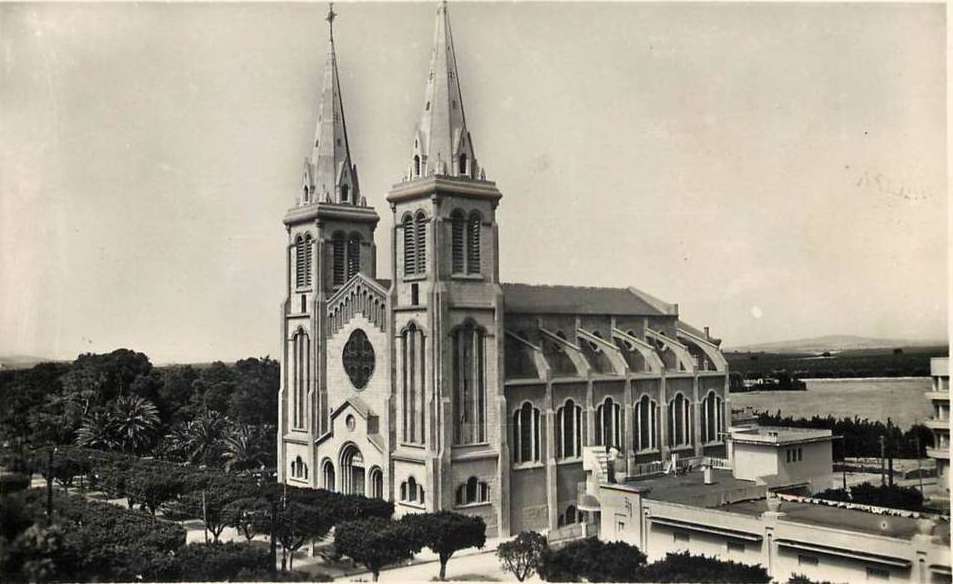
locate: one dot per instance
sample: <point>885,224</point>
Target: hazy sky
<point>778,170</point>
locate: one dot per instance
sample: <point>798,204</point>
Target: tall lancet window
<point>421,242</point>
<point>713,417</point>
<point>526,433</point>
<point>609,424</point>
<point>353,255</point>
<point>339,258</point>
<point>473,243</point>
<point>457,241</point>
<point>413,378</point>
<point>462,161</point>
<point>469,380</point>
<point>410,246</point>
<point>680,423</point>
<point>646,424</point>
<point>300,377</point>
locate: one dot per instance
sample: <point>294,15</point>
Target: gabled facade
<point>443,388</point>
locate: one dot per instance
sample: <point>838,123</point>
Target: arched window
<point>339,253</point>
<point>345,191</point>
<point>571,515</point>
<point>377,483</point>
<point>569,430</point>
<point>300,376</point>
<point>413,376</point>
<point>416,165</point>
<point>410,246</point>
<point>473,243</point>
<point>609,424</point>
<point>411,492</point>
<point>646,424</point>
<point>458,226</point>
<point>473,492</point>
<point>714,420</point>
<point>526,434</point>
<point>680,425</point>
<point>353,255</point>
<point>421,242</point>
<point>462,170</point>
<point>469,396</point>
<point>327,470</point>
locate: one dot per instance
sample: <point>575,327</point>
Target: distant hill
<point>833,343</point>
<point>23,361</point>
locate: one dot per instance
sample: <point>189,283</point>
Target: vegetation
<point>684,567</point>
<point>522,555</point>
<point>374,542</point>
<point>592,559</point>
<point>892,496</point>
<point>445,533</point>
<point>861,437</point>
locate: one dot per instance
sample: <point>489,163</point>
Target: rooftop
<point>838,518</point>
<point>690,488</point>
<point>779,435</point>
<point>546,299</point>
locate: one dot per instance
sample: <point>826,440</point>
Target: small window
<point>427,108</point>
<point>472,492</point>
<point>345,191</point>
<point>415,294</point>
<point>619,526</point>
<point>681,537</point>
<point>736,547</point>
<point>338,141</point>
<point>874,573</point>
<point>805,560</point>
<point>304,305</point>
<point>787,456</point>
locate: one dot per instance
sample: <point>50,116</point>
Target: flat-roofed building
<point>939,423</point>
<point>797,459</point>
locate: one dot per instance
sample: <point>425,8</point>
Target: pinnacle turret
<point>329,175</point>
<point>442,144</point>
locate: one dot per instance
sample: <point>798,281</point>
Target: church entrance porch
<point>352,470</point>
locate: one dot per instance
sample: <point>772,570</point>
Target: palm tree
<point>97,431</point>
<point>199,440</point>
<point>136,421</point>
<point>243,448</point>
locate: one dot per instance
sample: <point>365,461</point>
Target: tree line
<point>217,415</point>
<point>860,436</point>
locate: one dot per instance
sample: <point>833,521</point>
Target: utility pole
<point>49,484</point>
<point>205,516</point>
<point>916,440</point>
<point>883,480</point>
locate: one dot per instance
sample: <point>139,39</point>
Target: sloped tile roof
<point>537,298</point>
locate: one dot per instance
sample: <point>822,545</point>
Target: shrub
<point>592,559</point>
<point>684,567</point>
<point>891,496</point>
<point>215,562</point>
<point>445,532</point>
<point>13,482</point>
<point>374,542</point>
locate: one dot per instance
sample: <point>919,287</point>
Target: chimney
<point>709,475</point>
<point>707,334</point>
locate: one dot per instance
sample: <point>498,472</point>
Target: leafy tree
<point>684,567</point>
<point>154,487</point>
<point>297,524</point>
<point>249,515</point>
<point>802,579</point>
<point>592,559</point>
<point>445,532</point>
<point>374,542</point>
<point>522,555</point>
<point>254,400</point>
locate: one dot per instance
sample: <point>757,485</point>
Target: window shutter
<point>339,251</point>
<point>457,243</point>
<point>410,253</point>
<point>421,247</point>
<point>473,244</point>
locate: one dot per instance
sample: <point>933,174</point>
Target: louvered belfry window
<point>353,255</point>
<point>338,250</point>
<point>303,261</point>
<point>458,226</point>
<point>410,254</point>
<point>473,243</point>
<point>421,247</point>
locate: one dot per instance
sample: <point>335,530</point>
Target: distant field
<point>909,362</point>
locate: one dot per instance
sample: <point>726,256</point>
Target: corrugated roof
<point>537,298</point>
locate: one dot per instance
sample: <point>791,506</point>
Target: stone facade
<point>444,388</point>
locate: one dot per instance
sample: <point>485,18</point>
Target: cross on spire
<point>330,18</point>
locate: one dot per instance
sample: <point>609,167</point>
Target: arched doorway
<point>352,470</point>
<point>377,483</point>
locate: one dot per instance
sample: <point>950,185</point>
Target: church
<point>444,388</point>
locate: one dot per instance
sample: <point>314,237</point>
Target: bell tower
<point>330,240</point>
<point>448,304</point>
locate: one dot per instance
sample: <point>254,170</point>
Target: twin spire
<point>442,144</point>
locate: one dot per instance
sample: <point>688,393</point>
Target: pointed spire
<point>442,143</point>
<point>330,176</point>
